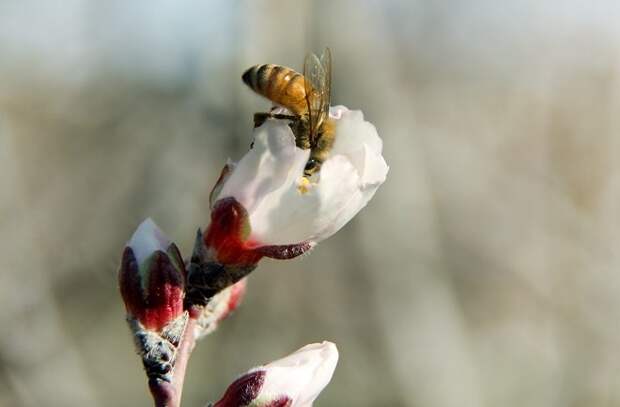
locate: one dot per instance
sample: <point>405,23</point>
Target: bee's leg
<point>283,116</point>
<point>259,118</point>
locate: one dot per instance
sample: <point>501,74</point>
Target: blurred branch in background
<point>489,274</point>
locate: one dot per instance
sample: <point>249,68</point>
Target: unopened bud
<point>151,277</point>
<point>152,282</point>
<point>293,381</point>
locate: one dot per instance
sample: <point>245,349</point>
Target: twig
<point>168,394</point>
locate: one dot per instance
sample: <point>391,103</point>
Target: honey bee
<point>306,96</point>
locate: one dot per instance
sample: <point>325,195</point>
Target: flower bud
<point>151,278</point>
<point>293,381</point>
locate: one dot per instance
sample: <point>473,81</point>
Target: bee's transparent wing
<point>315,81</point>
<point>326,63</point>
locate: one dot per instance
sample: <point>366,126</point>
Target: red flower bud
<point>151,278</point>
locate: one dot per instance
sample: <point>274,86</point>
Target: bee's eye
<point>311,164</point>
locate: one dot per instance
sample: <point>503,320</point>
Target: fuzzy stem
<point>168,394</point>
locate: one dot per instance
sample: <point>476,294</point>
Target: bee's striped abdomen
<point>279,84</point>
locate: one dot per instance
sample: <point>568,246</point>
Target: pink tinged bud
<point>293,381</point>
<point>219,308</point>
<point>235,297</point>
<point>151,277</point>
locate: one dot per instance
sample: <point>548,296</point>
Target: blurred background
<point>484,272</point>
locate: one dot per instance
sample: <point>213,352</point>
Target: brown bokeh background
<point>484,272</point>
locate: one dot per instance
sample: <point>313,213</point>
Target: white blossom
<point>285,207</point>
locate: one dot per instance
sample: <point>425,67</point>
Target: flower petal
<point>358,140</point>
<point>217,188</point>
<point>146,240</point>
<point>375,168</point>
<point>290,215</point>
<point>303,374</point>
<point>266,166</point>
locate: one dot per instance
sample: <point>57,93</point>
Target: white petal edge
<point>301,375</point>
<point>359,141</point>
<point>147,239</point>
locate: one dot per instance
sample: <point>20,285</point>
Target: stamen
<point>304,185</point>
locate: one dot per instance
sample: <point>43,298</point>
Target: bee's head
<point>247,76</point>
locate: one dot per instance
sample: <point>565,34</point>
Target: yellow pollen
<point>303,185</point>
